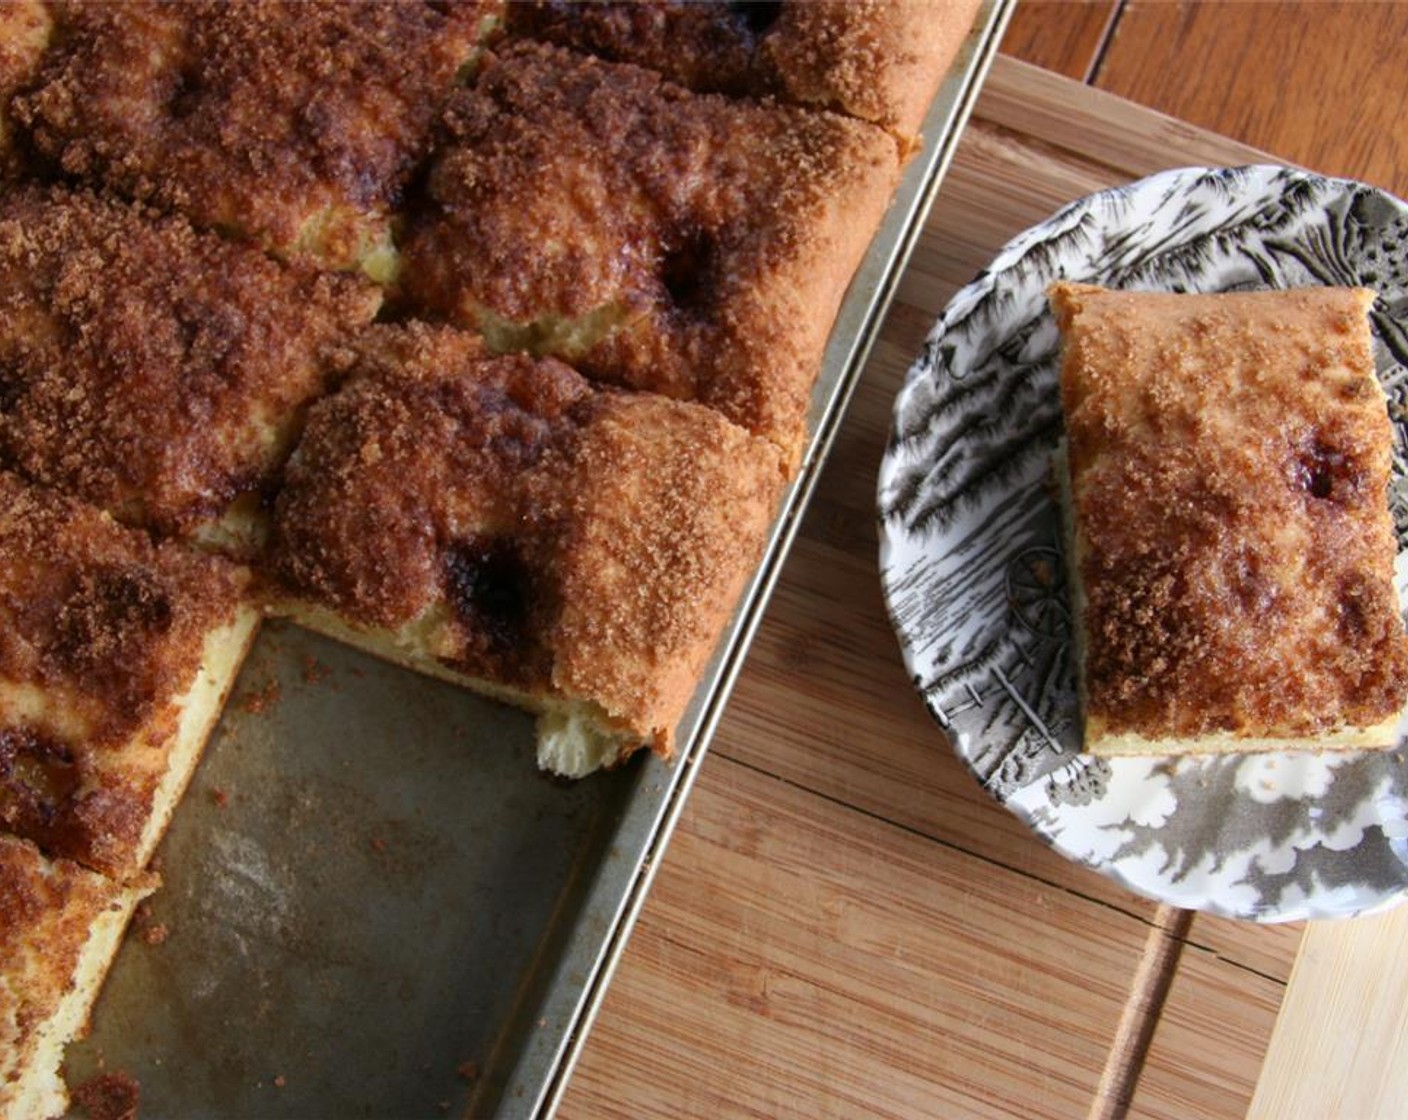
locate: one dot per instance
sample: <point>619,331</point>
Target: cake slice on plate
<point>1231,548</point>
<point>500,521</point>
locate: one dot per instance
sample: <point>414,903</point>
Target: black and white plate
<point>973,573</point>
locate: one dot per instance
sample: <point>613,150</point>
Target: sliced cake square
<point>296,123</point>
<point>690,245</point>
<point>879,61</point>
<point>1231,546</point>
<point>60,926</point>
<point>155,371</point>
<point>499,521</point>
<point>115,657</point>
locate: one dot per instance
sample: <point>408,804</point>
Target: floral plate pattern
<point>973,574</point>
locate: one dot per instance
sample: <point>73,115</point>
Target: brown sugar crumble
<point>314,671</point>
<point>258,701</point>
<point>705,226</point>
<point>108,1096</point>
<point>872,61</point>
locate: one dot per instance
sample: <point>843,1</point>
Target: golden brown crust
<point>296,123</point>
<point>1229,462</point>
<point>25,27</point>
<point>101,632</point>
<point>47,912</point>
<point>152,370</point>
<point>879,61</point>
<point>689,245</point>
<point>409,490</point>
<point>664,509</point>
<point>569,543</point>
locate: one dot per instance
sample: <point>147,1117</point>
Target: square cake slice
<point>500,522</point>
<point>115,657</point>
<point>154,371</point>
<point>60,926</point>
<point>685,244</point>
<point>878,60</point>
<point>296,123</point>
<point>1231,549</point>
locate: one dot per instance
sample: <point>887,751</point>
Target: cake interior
<point>574,737</point>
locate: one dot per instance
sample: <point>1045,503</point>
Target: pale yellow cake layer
<point>60,926</point>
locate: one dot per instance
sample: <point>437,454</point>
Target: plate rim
<point>894,537</point>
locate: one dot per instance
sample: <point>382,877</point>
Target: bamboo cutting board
<point>844,924</point>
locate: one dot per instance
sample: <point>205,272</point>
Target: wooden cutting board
<point>845,925</point>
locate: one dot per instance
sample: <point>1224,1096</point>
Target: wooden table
<point>844,924</point>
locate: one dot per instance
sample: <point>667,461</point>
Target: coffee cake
<point>688,245</point>
<point>115,657</point>
<point>878,61</point>
<point>1232,549</point>
<point>295,124</point>
<point>60,926</point>
<point>152,370</point>
<point>498,520</point>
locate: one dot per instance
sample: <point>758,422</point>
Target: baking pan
<point>374,905</point>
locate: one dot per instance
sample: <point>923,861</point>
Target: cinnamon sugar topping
<point>1230,457</point>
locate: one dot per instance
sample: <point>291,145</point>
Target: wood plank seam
<point>1152,978</point>
<point>1107,38</point>
<point>1232,962</point>
<point>1179,933</point>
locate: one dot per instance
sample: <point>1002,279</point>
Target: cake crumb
<point>468,1070</point>
<point>156,934</point>
<point>280,1081</point>
<point>219,797</point>
<point>108,1096</point>
<point>314,671</point>
<point>260,700</point>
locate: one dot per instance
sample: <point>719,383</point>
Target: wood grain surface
<point>1345,1018</point>
<point>1320,84</point>
<point>1064,36</point>
<point>844,924</point>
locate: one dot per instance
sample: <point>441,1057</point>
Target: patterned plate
<point>972,567</point>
